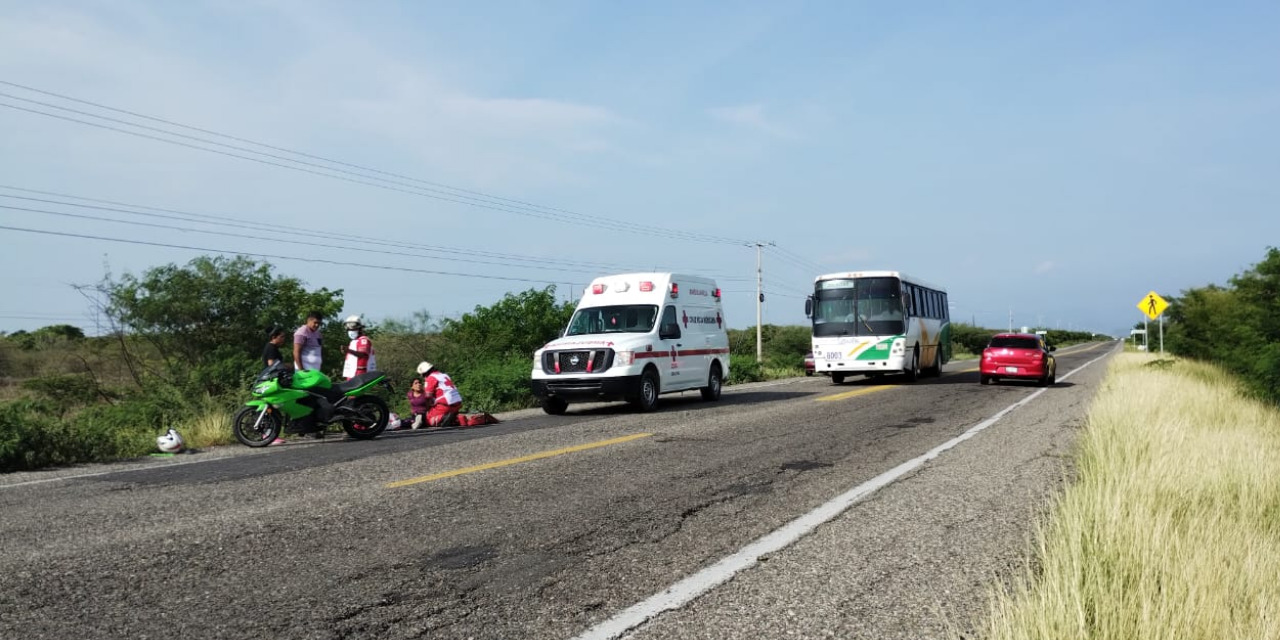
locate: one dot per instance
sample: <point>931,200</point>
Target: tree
<point>208,319</point>
<point>516,325</point>
<point>46,336</point>
<point>1237,327</point>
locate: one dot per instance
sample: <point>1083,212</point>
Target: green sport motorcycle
<point>282,397</point>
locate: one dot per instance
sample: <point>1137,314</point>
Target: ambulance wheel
<point>711,392</point>
<point>646,399</point>
<point>837,378</point>
<point>554,406</point>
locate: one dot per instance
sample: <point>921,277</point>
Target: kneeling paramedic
<point>438,386</point>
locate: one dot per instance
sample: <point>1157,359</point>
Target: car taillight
<point>986,354</point>
<point>1037,356</point>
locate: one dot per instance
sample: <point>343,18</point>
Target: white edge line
<point>686,590</point>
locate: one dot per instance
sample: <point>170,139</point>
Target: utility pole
<point>1010,319</point>
<point>760,301</point>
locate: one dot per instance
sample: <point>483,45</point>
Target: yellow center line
<point>855,392</point>
<point>511,461</point>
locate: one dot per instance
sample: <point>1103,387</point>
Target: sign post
<point>1153,306</point>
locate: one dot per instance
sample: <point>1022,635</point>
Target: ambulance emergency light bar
<point>646,286</point>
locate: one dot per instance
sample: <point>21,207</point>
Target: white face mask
<point>353,334</point>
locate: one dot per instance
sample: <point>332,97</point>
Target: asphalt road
<point>554,527</point>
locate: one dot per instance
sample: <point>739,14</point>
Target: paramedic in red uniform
<point>359,352</point>
<point>439,386</point>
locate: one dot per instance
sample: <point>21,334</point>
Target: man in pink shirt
<point>307,344</point>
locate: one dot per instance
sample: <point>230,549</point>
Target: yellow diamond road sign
<point>1152,305</point>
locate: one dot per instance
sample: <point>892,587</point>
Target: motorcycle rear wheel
<point>374,407</point>
<point>266,432</point>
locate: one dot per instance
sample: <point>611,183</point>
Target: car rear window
<point>1014,343</point>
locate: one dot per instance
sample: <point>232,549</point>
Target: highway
<point>567,527</point>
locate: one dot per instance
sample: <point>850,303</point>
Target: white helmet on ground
<point>170,442</point>
<point>354,322</point>
<point>424,367</point>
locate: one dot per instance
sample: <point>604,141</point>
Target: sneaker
<point>276,442</point>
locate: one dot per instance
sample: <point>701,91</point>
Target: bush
<point>32,436</point>
<point>127,428</point>
<point>497,385</point>
<point>968,338</point>
<point>745,370</point>
<point>66,391</point>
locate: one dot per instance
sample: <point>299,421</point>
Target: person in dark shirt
<point>271,353</point>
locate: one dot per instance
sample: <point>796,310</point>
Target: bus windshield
<point>857,307</point>
<point>623,318</point>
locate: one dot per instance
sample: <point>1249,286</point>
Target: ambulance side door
<point>672,338</point>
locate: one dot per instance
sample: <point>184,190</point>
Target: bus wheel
<point>913,372</point>
<point>936,370</point>
<point>837,378</point>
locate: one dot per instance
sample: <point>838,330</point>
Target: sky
<point>1046,163</point>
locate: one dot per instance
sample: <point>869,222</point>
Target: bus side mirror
<point>808,307</point>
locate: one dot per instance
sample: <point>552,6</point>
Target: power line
<point>45,317</point>
<point>341,263</point>
<point>485,201</point>
<point>471,255</point>
<point>799,260</point>
<point>273,240</point>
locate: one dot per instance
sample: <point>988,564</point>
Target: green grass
<point>1172,528</point>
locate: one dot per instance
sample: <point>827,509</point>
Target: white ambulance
<point>635,336</point>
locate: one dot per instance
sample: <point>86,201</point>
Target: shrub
<point>745,370</point>
<point>66,391</point>
<point>125,429</point>
<point>497,385</point>
<point>31,437</point>
<point>969,338</point>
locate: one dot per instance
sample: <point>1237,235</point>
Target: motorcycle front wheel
<point>376,412</point>
<point>252,432</point>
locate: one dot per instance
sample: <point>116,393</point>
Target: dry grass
<point>1172,529</point>
<point>210,427</point>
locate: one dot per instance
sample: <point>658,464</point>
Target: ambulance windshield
<point>623,318</point>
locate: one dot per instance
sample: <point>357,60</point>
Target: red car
<point>808,363</point>
<point>1018,356</point>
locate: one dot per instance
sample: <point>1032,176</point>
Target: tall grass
<point>211,426</point>
<point>1172,529</point>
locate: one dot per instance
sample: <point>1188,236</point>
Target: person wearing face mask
<point>359,353</point>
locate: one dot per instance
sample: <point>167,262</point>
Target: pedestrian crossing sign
<point>1152,305</point>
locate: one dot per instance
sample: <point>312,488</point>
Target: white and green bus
<point>878,322</point>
